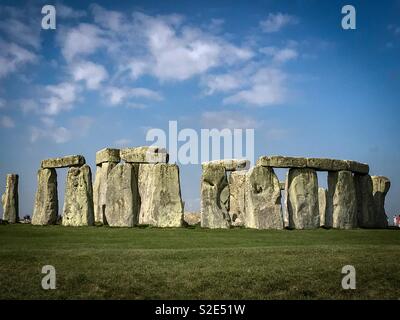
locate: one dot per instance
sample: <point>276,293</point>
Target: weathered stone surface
<point>237,182</point>
<point>10,199</point>
<point>380,187</point>
<point>192,218</point>
<point>78,198</point>
<point>285,214</point>
<point>107,155</point>
<point>282,185</point>
<point>263,199</point>
<point>100,190</point>
<point>214,197</point>
<point>231,164</point>
<point>45,210</point>
<point>282,162</point>
<point>342,200</point>
<point>324,219</point>
<point>366,211</point>
<point>357,167</point>
<point>302,199</point>
<point>122,196</point>
<point>63,162</point>
<point>319,164</point>
<point>147,154</point>
<point>160,194</point>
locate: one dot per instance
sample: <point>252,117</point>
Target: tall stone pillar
<point>10,199</point>
<point>78,200</point>
<point>324,219</point>
<point>263,199</point>
<point>380,188</point>
<point>237,180</point>
<point>342,200</point>
<point>302,199</point>
<point>45,211</point>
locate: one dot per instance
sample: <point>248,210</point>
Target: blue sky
<point>112,70</point>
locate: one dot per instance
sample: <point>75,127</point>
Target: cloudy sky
<point>112,70</point>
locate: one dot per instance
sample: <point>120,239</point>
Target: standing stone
<point>366,210</point>
<point>342,200</point>
<point>46,201</point>
<point>100,190</point>
<point>122,197</point>
<point>78,199</point>
<point>380,187</point>
<point>263,199</point>
<point>214,197</point>
<point>10,199</point>
<point>160,194</point>
<point>302,199</point>
<point>324,219</point>
<point>237,180</point>
<point>285,214</point>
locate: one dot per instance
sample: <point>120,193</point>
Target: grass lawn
<point>151,263</point>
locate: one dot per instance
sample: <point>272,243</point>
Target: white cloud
<point>117,95</point>
<point>222,82</point>
<point>276,21</point>
<point>60,97</point>
<point>7,122</point>
<point>280,55</point>
<point>81,41</point>
<point>66,12</point>
<point>28,105</point>
<point>13,56</point>
<point>93,74</point>
<point>266,88</point>
<point>226,119</point>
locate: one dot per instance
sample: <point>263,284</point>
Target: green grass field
<point>151,263</point>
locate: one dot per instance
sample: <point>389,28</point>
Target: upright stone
<point>10,199</point>
<point>214,197</point>
<point>324,219</point>
<point>342,200</point>
<point>237,180</point>
<point>160,194</point>
<point>122,197</point>
<point>263,199</point>
<point>45,210</point>
<point>100,190</point>
<point>284,194</point>
<point>78,199</point>
<point>366,211</point>
<point>380,187</point>
<point>302,199</point>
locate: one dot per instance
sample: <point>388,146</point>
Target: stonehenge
<point>137,186</point>
<point>9,199</point>
<point>45,210</point>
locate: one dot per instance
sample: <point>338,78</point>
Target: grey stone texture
<point>63,162</point>
<point>10,199</point>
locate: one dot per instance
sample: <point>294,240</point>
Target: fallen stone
<point>78,198</point>
<point>122,196</point>
<point>231,164</point>
<point>160,194</point>
<point>64,162</point>
<point>302,199</point>
<point>192,218</point>
<point>342,200</point>
<point>144,155</point>
<point>10,199</point>
<point>263,199</point>
<point>100,190</point>
<point>324,220</point>
<point>282,162</point>
<point>214,197</point>
<point>380,188</point>
<point>107,155</point>
<point>237,182</point>
<point>45,211</point>
<point>366,211</point>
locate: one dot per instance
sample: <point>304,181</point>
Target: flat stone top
<point>63,162</point>
<point>319,164</point>
<point>229,164</point>
<point>108,155</point>
<point>145,154</point>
